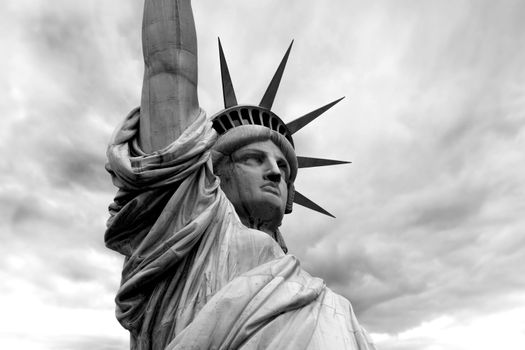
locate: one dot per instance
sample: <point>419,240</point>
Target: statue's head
<point>257,167</point>
<point>254,155</point>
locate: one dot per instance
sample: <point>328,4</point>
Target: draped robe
<point>194,276</point>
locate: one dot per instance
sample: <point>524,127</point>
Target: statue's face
<point>255,181</point>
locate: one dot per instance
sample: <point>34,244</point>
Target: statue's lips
<point>271,188</point>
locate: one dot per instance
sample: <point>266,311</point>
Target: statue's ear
<point>220,162</point>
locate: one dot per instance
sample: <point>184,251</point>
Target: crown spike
<point>308,162</point>
<point>305,202</point>
<point>271,91</point>
<point>306,119</point>
<point>227,86</point>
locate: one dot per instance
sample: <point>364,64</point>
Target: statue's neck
<point>272,231</point>
<point>268,227</point>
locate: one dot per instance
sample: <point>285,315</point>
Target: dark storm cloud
<point>74,52</point>
<point>55,246</point>
<point>444,212</point>
<point>81,168</point>
<point>70,96</point>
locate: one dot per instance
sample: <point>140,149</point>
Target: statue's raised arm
<point>169,100</point>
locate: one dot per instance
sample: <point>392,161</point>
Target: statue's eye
<point>252,158</point>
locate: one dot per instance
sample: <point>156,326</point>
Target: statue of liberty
<point>198,211</point>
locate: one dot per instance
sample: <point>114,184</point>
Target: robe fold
<point>194,276</point>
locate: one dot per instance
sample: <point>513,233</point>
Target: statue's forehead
<point>267,147</point>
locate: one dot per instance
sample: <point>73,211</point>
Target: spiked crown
<point>261,118</point>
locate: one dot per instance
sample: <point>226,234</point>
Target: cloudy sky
<point>429,243</point>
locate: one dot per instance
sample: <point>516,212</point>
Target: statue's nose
<point>272,172</point>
